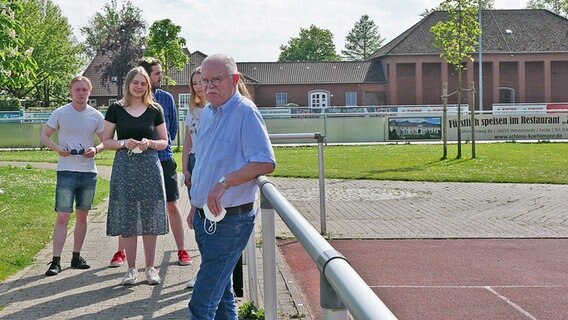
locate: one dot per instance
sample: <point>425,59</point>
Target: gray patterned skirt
<point>137,199</point>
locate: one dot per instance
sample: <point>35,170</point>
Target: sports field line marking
<point>511,303</point>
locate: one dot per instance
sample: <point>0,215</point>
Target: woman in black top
<point>137,203</point>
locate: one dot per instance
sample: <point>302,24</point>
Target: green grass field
<point>495,162</point>
<point>27,215</point>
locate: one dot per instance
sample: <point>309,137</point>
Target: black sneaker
<point>79,263</point>
<point>54,269</point>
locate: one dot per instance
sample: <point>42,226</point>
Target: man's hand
<point>187,180</point>
<point>190,216</point>
<point>214,199</point>
<point>90,152</point>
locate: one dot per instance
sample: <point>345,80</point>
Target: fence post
<point>269,257</point>
<point>323,216</point>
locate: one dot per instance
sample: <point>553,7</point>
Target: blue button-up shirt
<point>229,137</point>
<point>166,100</point>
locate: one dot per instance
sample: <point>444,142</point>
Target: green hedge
<point>10,105</point>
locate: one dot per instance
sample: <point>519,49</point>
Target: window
<point>183,99</point>
<point>319,99</point>
<point>372,98</point>
<point>92,102</point>
<point>351,98</point>
<point>281,99</point>
<point>111,101</point>
<point>506,95</point>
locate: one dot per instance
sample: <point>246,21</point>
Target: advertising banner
<point>551,126</point>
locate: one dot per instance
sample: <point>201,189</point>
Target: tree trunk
<point>445,120</point>
<point>472,113</point>
<point>459,156</point>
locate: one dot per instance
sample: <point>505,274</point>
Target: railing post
<point>269,257</point>
<point>331,305</point>
<point>323,215</point>
<point>250,261</point>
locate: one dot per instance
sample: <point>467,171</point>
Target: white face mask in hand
<point>135,150</point>
<point>212,219</point>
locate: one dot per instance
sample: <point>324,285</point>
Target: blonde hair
<point>81,78</point>
<point>242,87</point>
<point>194,100</point>
<point>148,97</point>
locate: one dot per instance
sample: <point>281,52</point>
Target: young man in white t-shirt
<point>76,124</point>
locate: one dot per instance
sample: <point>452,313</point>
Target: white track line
<point>511,303</point>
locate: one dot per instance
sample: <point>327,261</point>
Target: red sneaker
<point>184,258</point>
<point>118,259</point>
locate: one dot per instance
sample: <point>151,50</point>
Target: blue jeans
<point>213,296</point>
<point>73,186</point>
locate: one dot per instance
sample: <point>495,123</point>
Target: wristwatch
<point>122,143</point>
<point>223,181</point>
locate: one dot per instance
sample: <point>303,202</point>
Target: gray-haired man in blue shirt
<point>232,149</point>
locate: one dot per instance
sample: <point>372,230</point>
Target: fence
<point>396,125</point>
<point>341,286</point>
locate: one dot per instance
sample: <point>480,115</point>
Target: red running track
<point>451,279</point>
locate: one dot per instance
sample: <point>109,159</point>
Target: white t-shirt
<point>192,124</point>
<point>76,130</point>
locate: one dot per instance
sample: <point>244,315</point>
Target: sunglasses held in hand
<point>77,152</point>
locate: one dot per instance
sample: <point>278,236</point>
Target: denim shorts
<point>75,186</point>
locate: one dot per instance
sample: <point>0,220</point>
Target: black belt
<point>243,208</point>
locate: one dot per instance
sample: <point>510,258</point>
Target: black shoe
<point>79,263</point>
<point>54,269</point>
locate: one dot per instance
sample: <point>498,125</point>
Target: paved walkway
<point>355,210</point>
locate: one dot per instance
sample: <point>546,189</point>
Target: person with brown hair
<point>137,200</point>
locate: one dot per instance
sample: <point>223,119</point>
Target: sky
<point>254,30</point>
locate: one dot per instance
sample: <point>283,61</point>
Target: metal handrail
<point>320,139</point>
<point>342,287</point>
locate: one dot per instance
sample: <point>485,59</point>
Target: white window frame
<point>351,98</point>
<point>92,103</point>
<point>112,100</point>
<point>319,98</point>
<point>183,100</point>
<point>281,99</point>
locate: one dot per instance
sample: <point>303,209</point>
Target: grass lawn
<point>27,216</point>
<point>495,162</point>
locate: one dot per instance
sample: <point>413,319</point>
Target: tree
<point>559,7</point>
<point>121,40</point>
<point>363,40</point>
<point>56,51</point>
<point>17,66</point>
<point>99,27</point>
<point>458,37</point>
<point>313,44</point>
<point>165,44</point>
<point>485,5</point>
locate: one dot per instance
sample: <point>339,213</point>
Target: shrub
<point>248,311</point>
<point>9,104</point>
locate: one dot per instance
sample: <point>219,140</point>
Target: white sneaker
<point>152,276</point>
<point>190,283</point>
<point>130,276</point>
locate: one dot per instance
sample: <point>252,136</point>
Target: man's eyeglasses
<point>77,152</point>
<point>215,81</point>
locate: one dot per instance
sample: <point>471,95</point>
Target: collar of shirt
<point>228,106</point>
